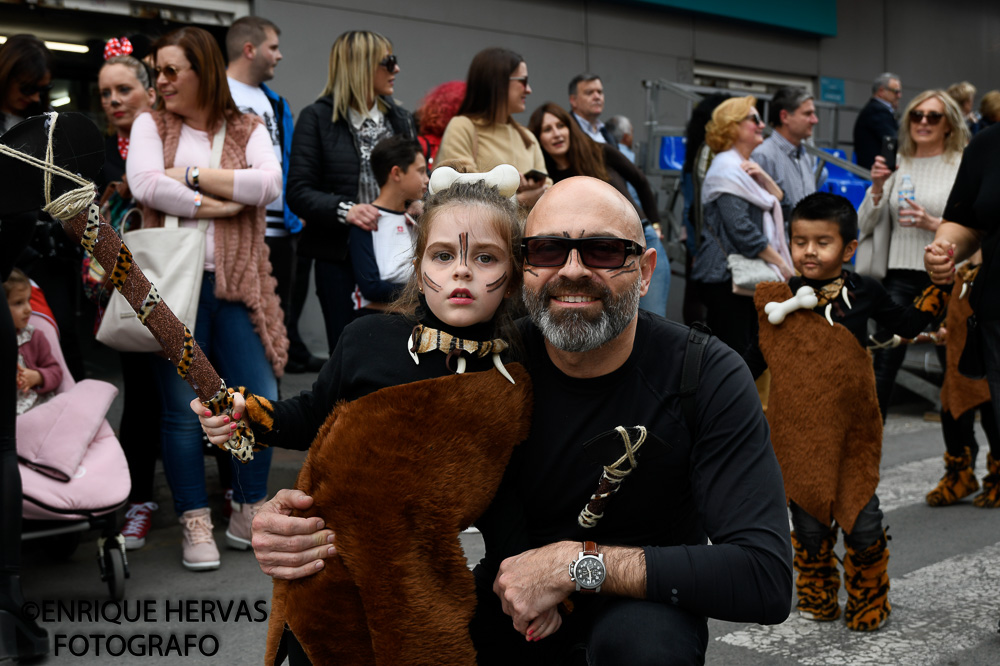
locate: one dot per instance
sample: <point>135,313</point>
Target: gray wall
<point>929,43</point>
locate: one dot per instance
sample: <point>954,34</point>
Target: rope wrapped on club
<point>80,216</point>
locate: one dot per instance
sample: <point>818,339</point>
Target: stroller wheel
<point>114,571</point>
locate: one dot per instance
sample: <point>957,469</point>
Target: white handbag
<point>173,259</point>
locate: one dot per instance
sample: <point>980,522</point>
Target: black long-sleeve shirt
<point>720,482</point>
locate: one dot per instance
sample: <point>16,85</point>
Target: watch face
<point>589,572</point>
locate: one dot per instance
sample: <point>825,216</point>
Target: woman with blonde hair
<point>172,171</point>
<point>330,180</point>
<point>742,215</point>
<point>484,134</point>
<point>893,233</point>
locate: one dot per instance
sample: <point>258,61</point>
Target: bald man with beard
<point>607,380</point>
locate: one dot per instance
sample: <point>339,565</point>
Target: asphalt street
<point>944,571</point>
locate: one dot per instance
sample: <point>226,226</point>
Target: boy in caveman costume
<point>826,427</point>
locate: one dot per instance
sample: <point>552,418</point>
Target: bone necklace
<point>425,339</point>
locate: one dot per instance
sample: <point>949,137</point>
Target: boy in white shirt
<point>382,259</point>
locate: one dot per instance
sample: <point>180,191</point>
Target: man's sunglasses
<point>169,71</point>
<point>932,117</point>
<point>389,62</point>
<point>30,89</point>
<point>594,251</point>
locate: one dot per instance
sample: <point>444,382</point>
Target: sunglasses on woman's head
<point>932,117</point>
<point>595,251</point>
<point>30,89</point>
<point>169,71</point>
<point>389,62</point>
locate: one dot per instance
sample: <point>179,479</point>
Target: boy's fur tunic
<point>826,427</point>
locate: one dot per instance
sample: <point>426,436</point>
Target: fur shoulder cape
<point>397,475</point>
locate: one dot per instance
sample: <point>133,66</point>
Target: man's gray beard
<point>574,331</point>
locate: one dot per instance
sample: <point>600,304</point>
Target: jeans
<point>334,286</point>
<point>903,285</point>
<point>655,300</point>
<point>226,335</point>
<point>811,532</point>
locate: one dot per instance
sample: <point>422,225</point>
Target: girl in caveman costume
<point>417,455</point>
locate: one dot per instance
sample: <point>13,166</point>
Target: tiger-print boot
<point>866,578</point>
<point>958,481</point>
<point>990,497</point>
<point>818,581</point>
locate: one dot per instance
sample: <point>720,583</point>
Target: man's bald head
<point>584,197</point>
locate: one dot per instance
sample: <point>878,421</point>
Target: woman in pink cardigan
<point>239,324</point>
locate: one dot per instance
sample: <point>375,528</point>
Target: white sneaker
<point>137,522</point>
<point>240,530</point>
<point>200,552</point>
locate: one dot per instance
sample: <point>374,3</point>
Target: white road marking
<point>909,483</point>
<point>933,609</point>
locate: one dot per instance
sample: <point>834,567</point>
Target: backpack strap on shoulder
<point>694,353</point>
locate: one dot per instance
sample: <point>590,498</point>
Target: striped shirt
<point>791,167</point>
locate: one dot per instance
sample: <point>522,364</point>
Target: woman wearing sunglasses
<point>484,134</point>
<point>893,234</point>
<point>239,324</point>
<point>742,215</point>
<point>330,180</point>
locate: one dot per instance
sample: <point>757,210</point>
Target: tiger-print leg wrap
<point>958,481</point>
<point>818,580</point>
<point>259,410</point>
<point>866,577</point>
<point>990,497</point>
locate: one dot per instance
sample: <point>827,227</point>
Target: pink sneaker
<point>137,521</point>
<point>200,552</point>
<point>239,532</point>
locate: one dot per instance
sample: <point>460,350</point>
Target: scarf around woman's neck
<point>726,176</point>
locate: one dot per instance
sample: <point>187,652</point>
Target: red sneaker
<point>137,522</point>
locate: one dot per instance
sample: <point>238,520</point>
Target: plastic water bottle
<point>906,192</point>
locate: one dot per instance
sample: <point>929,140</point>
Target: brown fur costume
<point>397,474</point>
<point>959,394</point>
<point>826,427</point>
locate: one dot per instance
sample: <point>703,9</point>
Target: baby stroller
<point>73,471</point>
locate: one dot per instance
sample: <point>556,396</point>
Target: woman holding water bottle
<point>902,209</point>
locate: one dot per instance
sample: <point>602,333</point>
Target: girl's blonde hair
<point>722,129</point>
<point>955,139</point>
<point>504,218</point>
<point>351,77</point>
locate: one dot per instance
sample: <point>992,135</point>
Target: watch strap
<point>590,548</point>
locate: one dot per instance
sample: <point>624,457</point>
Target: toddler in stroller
<point>73,471</point>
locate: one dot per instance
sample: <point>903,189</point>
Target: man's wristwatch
<point>588,571</point>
